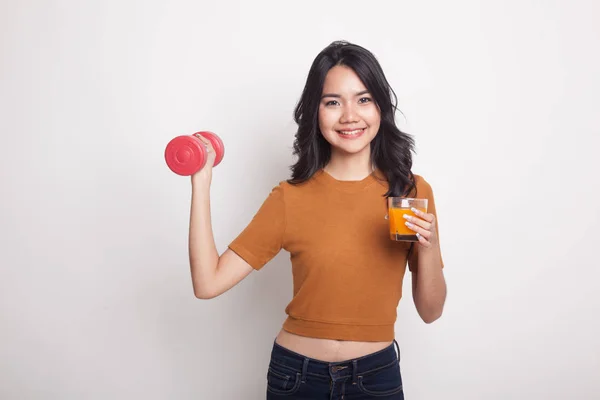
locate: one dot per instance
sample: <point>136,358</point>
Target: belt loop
<point>354,371</point>
<point>304,368</point>
<point>398,349</point>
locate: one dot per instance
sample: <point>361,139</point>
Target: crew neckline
<point>347,186</point>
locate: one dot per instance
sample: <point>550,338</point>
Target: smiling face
<point>349,119</point>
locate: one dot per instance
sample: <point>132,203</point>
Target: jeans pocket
<point>281,381</point>
<point>383,382</point>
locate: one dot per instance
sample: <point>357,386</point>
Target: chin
<point>350,150</point>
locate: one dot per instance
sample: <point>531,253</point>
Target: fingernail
<point>406,216</point>
<point>414,210</point>
<point>408,224</point>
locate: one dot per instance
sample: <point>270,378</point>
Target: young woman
<point>338,340</point>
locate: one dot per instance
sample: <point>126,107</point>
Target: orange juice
<point>398,228</point>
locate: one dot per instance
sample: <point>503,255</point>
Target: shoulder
<point>421,182</point>
<point>422,186</point>
<point>285,188</point>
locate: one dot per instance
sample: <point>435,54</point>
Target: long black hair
<point>391,149</point>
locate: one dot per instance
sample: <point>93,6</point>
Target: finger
<point>423,241</point>
<point>418,221</point>
<point>427,217</point>
<point>207,143</point>
<point>423,232</point>
<point>202,139</point>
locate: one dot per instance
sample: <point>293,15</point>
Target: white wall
<point>96,300</point>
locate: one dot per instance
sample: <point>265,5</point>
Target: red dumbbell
<point>185,155</point>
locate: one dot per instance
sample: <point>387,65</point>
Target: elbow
<point>430,318</point>
<point>204,288</point>
<point>431,315</point>
<point>204,293</point>
<point>430,308</point>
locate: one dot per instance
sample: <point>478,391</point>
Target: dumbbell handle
<point>185,155</point>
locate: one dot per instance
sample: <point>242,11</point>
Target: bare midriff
<point>327,349</point>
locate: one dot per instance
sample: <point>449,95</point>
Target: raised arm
<point>212,274</point>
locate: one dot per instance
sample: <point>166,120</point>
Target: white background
<point>96,299</point>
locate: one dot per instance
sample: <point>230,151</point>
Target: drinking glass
<point>397,207</point>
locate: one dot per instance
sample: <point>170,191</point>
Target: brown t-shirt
<point>347,273</point>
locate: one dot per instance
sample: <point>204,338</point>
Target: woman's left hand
<point>424,225</point>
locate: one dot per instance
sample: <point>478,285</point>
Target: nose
<point>349,114</point>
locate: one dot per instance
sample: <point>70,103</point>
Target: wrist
<point>200,186</point>
<point>430,252</point>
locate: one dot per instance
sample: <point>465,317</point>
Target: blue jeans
<point>374,376</point>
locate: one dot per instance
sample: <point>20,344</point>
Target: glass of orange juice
<point>397,207</point>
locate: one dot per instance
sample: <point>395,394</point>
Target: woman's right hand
<point>203,176</point>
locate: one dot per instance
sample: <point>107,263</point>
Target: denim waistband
<point>339,369</point>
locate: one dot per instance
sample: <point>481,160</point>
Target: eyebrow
<point>338,96</point>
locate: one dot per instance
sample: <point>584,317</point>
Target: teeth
<point>349,133</point>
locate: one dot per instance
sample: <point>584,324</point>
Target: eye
<point>365,100</point>
<point>331,103</point>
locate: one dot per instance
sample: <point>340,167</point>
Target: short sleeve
<point>424,190</point>
<point>262,239</point>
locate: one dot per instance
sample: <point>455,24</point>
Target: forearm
<point>203,254</point>
<point>429,290</point>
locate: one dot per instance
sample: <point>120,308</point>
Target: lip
<point>353,136</point>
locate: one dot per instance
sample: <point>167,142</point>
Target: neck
<point>350,167</point>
